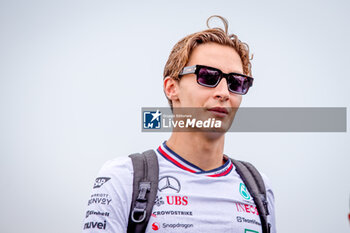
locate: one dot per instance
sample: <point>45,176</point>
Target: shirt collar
<point>180,162</point>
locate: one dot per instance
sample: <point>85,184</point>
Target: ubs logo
<point>169,183</point>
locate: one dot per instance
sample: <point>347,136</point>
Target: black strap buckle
<point>265,203</point>
<point>139,212</point>
<point>139,218</point>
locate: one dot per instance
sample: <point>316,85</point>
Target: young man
<point>199,189</point>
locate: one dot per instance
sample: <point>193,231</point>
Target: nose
<point>221,91</point>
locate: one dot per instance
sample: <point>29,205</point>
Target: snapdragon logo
<point>155,226</point>
<point>244,192</point>
<point>177,225</point>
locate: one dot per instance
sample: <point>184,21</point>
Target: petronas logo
<point>244,192</point>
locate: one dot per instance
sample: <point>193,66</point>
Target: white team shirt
<point>188,199</point>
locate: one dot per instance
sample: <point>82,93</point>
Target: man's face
<point>190,94</point>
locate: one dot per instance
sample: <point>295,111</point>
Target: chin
<point>214,135</point>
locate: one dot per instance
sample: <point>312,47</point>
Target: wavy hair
<point>182,50</point>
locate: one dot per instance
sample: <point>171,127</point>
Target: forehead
<point>222,57</point>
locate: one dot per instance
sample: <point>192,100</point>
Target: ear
<point>171,88</point>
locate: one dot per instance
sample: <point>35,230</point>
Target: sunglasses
<point>211,77</point>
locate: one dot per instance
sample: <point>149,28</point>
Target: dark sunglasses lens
<point>238,84</point>
<point>208,77</point>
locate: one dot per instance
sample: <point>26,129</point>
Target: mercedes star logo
<point>169,182</point>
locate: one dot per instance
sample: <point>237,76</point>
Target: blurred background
<point>75,74</point>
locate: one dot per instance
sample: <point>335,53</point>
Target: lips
<point>219,111</point>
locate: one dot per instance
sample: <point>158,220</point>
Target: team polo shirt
<point>188,199</point>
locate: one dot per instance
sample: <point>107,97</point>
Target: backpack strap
<point>145,187</point>
<point>256,187</point>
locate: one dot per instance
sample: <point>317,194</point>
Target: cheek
<point>189,94</point>
<point>236,100</point>
<point>192,98</point>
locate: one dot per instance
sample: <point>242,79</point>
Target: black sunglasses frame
<point>195,70</point>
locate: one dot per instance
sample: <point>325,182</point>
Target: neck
<point>198,148</point>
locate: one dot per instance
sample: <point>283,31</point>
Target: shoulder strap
<point>145,187</point>
<point>256,187</point>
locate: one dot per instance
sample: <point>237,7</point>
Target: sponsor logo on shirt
<point>177,200</point>
<point>99,200</point>
<point>172,212</point>
<point>159,201</point>
<point>250,231</point>
<point>244,192</point>
<point>155,226</point>
<point>100,181</point>
<point>246,220</point>
<point>169,184</point>
<point>99,195</point>
<point>92,212</point>
<point>98,225</point>
<point>247,208</point>
<point>177,225</point>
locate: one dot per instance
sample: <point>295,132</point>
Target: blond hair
<point>181,52</point>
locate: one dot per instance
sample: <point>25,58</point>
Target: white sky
<point>75,74</point>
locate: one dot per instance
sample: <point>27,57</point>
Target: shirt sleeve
<point>271,203</point>
<point>108,206</point>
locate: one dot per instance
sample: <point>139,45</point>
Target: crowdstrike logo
<point>244,192</point>
<point>173,212</point>
<point>169,183</point>
<point>100,181</point>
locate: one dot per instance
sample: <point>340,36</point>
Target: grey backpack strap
<point>256,187</point>
<point>145,187</point>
